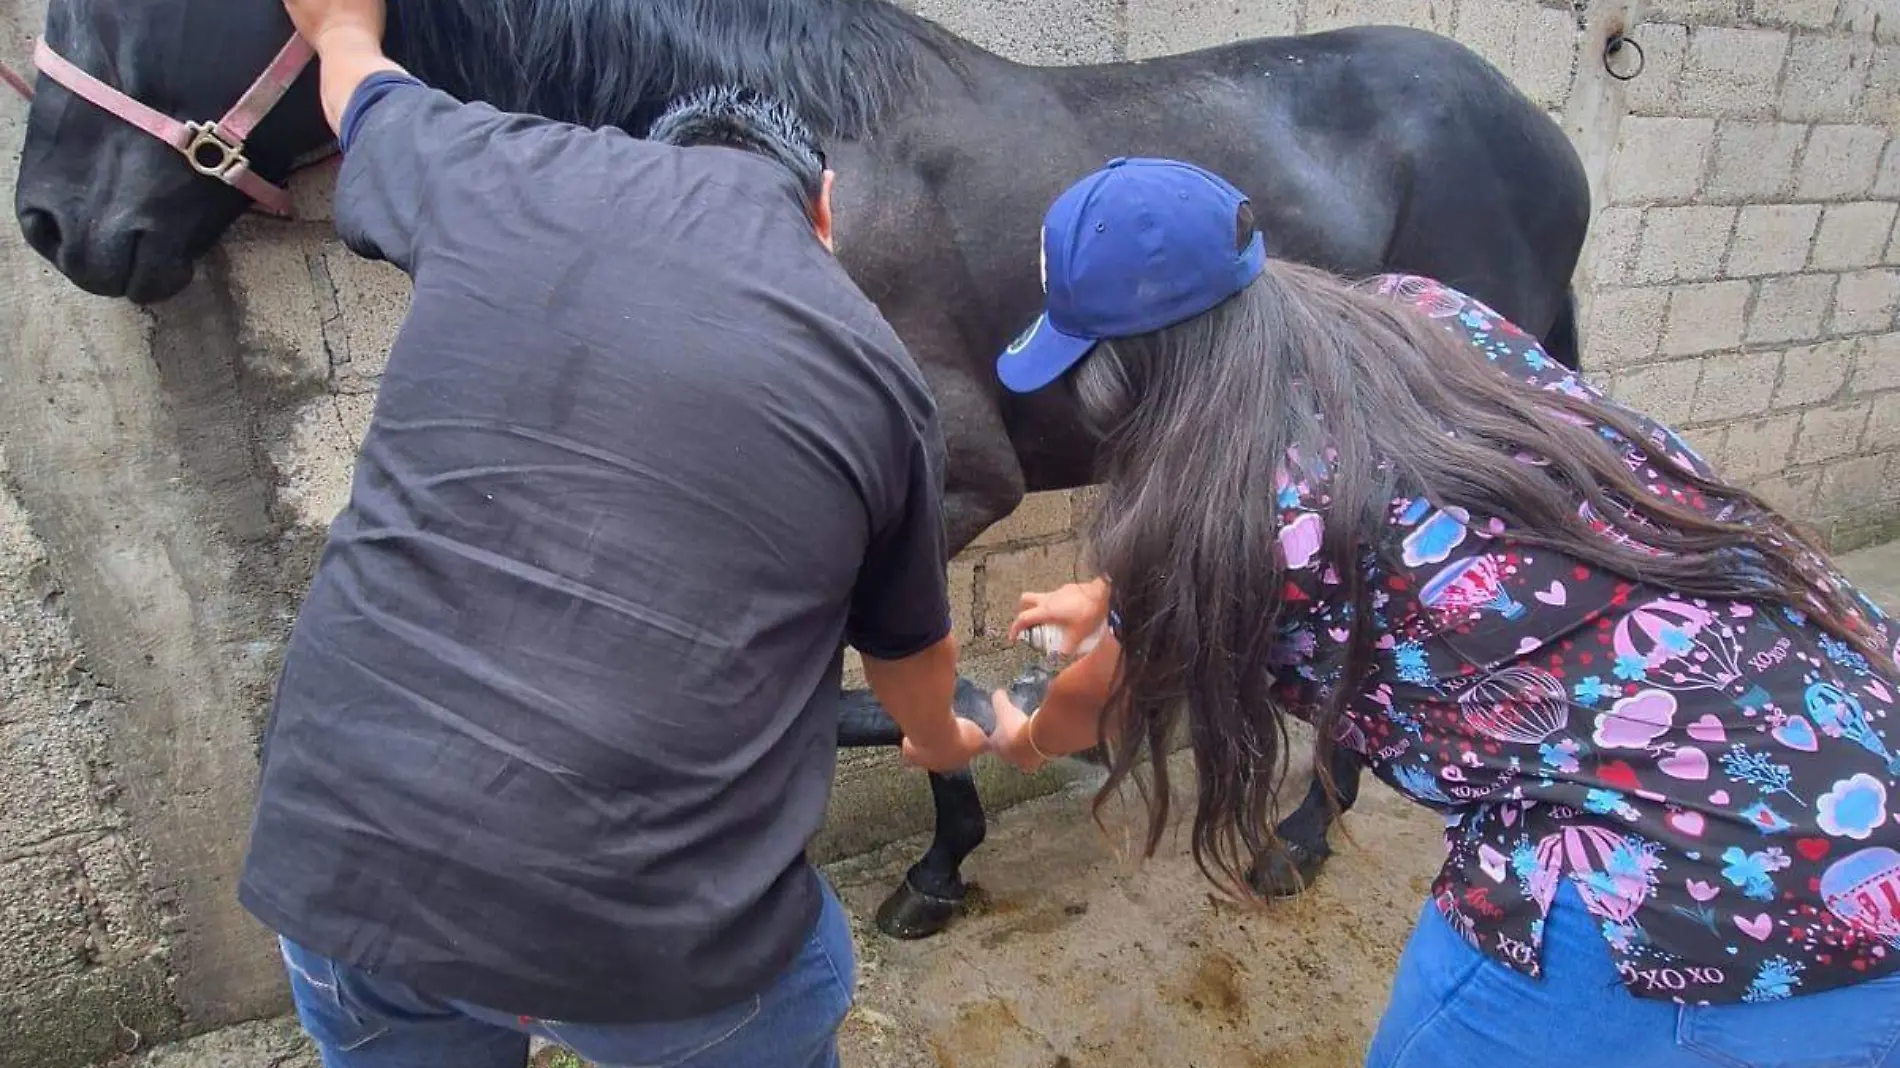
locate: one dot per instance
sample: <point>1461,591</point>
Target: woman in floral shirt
<point>1659,725</point>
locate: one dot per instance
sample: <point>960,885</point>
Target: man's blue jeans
<point>361,1021</point>
<point>1452,1006</point>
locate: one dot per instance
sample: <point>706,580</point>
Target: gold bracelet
<point>1029,734</point>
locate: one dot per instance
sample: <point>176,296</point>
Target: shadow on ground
<point>1075,956</point>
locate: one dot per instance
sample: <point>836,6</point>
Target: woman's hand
<point>967,743</point>
<point>1077,611</point>
<point>1011,741</point>
<point>318,21</point>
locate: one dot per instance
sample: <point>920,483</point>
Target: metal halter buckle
<point>207,135</point>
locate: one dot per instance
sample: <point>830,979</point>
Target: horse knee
<point>863,723</point>
<point>1306,827</point>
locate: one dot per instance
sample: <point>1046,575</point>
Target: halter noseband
<point>213,149</point>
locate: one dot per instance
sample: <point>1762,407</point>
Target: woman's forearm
<point>1070,717</point>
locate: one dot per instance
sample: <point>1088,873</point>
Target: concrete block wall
<point>1745,276</point>
<point>166,475</point>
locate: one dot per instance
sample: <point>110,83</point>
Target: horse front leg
<point>982,483</point>
<point>1302,851</point>
<point>933,890</point>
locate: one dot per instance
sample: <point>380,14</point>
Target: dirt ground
<point>1077,957</point>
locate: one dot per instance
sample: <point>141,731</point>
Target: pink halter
<point>213,149</point>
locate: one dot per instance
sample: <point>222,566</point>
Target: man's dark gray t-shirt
<point>559,713</point>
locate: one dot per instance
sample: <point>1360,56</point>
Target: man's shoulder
<point>849,326</point>
<point>897,365</point>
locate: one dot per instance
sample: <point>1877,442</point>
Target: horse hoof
<point>910,914</point>
<point>1286,871</point>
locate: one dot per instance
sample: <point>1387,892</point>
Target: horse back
<point>1363,150</point>
<point>1366,149</point>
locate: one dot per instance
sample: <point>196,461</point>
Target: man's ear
<point>821,214</point>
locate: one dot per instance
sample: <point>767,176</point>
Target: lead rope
<point>20,85</point>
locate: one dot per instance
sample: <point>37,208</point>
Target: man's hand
<point>968,741</point>
<point>918,691</point>
<point>320,21</point>
<point>347,36</point>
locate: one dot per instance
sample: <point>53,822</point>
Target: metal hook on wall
<point>1613,46</point>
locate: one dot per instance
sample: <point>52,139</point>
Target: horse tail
<point>1560,342</point>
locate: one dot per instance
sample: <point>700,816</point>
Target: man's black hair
<point>733,117</point>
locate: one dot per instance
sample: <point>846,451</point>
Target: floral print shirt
<point>1717,779</point>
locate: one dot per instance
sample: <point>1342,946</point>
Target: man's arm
<point>347,36</point>
<point>900,613</point>
<point>400,139</point>
<point>917,692</point>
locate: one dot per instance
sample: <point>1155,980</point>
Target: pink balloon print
<point>1434,300</point>
<point>1863,889</point>
<point>1523,705</point>
<point>1300,540</point>
<point>1684,647</point>
<point>1467,588</point>
<point>1614,875</point>
<point>1597,524</point>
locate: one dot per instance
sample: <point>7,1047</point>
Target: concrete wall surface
<point>167,475</point>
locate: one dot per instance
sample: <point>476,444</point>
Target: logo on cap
<point>1138,246</point>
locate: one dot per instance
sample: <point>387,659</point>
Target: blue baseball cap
<point>1139,245</point>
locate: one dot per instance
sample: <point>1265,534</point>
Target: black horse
<point>1364,149</point>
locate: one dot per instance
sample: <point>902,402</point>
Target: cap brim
<point>1040,356</point>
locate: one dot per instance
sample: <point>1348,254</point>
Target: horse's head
<point>118,211</point>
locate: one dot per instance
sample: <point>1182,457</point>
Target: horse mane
<point>841,64</point>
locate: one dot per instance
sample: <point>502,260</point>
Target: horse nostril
<point>41,230</point>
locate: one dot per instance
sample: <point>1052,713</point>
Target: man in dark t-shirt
<point>559,713</point>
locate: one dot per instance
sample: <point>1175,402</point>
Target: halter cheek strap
<point>214,149</point>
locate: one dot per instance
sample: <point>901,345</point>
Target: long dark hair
<point>1198,418</point>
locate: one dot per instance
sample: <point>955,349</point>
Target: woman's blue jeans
<point>1453,1006</point>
